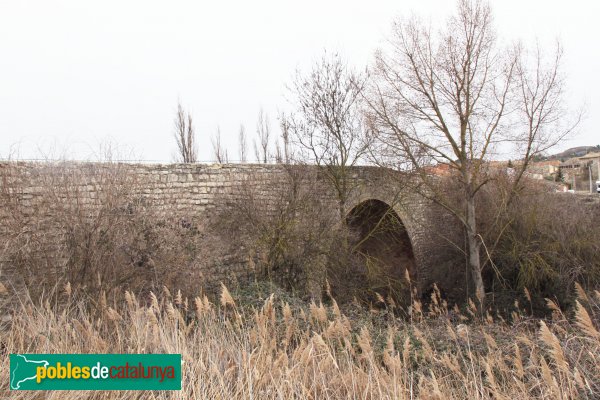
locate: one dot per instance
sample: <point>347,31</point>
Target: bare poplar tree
<point>327,124</point>
<point>242,144</point>
<point>454,98</point>
<point>278,153</point>
<point>263,132</point>
<point>256,151</point>
<point>285,136</point>
<point>185,136</point>
<point>219,152</point>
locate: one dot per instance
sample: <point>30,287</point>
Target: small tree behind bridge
<point>328,126</point>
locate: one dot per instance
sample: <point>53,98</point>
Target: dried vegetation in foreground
<point>277,350</point>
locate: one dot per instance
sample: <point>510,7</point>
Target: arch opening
<point>382,250</point>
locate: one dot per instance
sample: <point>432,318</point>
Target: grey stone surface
<point>200,190</point>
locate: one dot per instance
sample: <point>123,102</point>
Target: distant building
<point>571,163</point>
<point>441,169</point>
<point>545,169</point>
<point>576,171</point>
<point>594,158</point>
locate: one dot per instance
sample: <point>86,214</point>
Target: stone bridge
<point>424,243</point>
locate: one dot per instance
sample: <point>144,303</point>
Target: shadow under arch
<point>383,249</point>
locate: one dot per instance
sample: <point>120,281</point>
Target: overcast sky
<point>75,74</point>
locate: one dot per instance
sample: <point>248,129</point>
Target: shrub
<point>543,241</point>
<point>87,225</point>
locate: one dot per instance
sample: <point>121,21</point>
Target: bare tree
<point>263,132</point>
<point>242,144</point>
<point>451,100</point>
<point>285,136</point>
<point>219,152</point>
<point>185,136</point>
<point>328,122</point>
<point>278,153</point>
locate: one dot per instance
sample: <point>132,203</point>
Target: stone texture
<point>201,190</point>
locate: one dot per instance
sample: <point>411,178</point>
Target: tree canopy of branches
<point>185,136</point>
<point>327,125</point>
<point>453,99</point>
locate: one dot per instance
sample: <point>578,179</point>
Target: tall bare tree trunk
<point>473,245</point>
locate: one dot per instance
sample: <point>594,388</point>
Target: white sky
<point>75,74</point>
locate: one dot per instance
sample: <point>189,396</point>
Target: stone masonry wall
<point>194,193</point>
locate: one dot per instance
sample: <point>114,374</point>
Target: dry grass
<point>277,350</point>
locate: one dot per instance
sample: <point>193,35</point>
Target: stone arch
<point>382,239</point>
